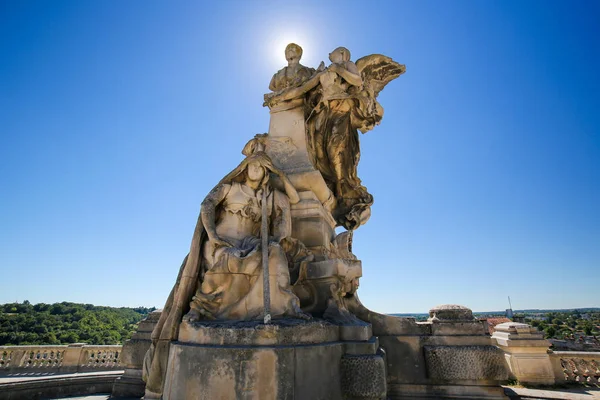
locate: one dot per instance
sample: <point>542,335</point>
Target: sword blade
<point>264,233</point>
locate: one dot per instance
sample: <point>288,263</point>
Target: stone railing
<point>76,357</point>
<point>576,366</point>
<point>531,361</point>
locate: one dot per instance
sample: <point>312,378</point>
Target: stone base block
<point>526,353</point>
<point>312,224</point>
<point>533,369</point>
<point>288,359</point>
<point>363,377</point>
<point>254,372</point>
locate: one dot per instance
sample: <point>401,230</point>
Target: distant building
<point>492,322</point>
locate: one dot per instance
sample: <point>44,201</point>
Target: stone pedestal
<point>285,143</point>
<point>287,134</point>
<point>329,277</point>
<point>312,224</point>
<point>526,352</point>
<point>288,359</point>
<point>130,384</point>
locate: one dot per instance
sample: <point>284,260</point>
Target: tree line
<point>64,323</point>
<point>563,325</point>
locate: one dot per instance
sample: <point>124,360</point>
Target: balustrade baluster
<point>50,358</point>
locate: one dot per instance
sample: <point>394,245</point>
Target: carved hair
<point>345,53</point>
<point>239,174</point>
<point>295,47</point>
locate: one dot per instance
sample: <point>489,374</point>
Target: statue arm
<point>272,87</point>
<point>296,92</point>
<point>209,207</point>
<point>349,72</point>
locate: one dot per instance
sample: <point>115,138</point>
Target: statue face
<point>292,57</point>
<point>336,56</point>
<point>255,171</point>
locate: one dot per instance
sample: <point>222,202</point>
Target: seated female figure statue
<point>232,286</point>
<point>222,276</point>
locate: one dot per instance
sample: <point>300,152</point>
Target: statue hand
<point>276,170</point>
<point>218,242</point>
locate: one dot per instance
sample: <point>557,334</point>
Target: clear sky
<point>117,118</point>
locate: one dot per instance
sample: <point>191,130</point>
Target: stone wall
<point>449,356</point>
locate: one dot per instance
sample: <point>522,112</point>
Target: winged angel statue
<point>339,101</point>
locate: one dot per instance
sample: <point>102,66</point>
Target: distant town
<point>567,329</point>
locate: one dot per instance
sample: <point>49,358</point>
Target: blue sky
<point>116,119</point>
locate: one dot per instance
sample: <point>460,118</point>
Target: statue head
<point>255,171</point>
<point>341,54</point>
<point>258,167</point>
<point>293,54</point>
<point>255,167</point>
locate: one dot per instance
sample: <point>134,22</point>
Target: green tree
<point>67,323</point>
<point>550,332</point>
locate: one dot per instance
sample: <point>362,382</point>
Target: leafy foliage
<point>63,323</point>
<point>566,324</point>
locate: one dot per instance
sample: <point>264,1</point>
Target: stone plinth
<point>288,359</point>
<point>526,352</point>
<point>132,358</point>
<point>249,360</point>
<point>312,222</point>
<point>288,141</point>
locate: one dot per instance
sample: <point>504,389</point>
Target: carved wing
<point>378,70</point>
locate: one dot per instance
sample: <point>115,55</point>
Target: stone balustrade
<point>76,357</point>
<point>530,359</point>
<point>576,366</point>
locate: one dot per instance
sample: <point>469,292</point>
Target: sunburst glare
<point>278,44</point>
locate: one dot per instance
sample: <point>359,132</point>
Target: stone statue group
<point>245,260</point>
